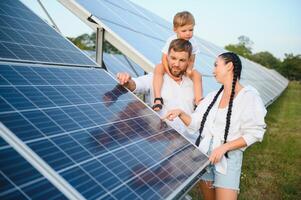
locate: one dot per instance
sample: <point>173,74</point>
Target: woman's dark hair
<point>228,57</point>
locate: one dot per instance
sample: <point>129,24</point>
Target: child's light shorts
<point>231,179</point>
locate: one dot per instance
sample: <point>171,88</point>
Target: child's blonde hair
<point>182,19</point>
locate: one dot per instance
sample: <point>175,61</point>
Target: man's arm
<point>126,80</point>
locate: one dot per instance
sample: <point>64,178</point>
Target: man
<point>177,89</point>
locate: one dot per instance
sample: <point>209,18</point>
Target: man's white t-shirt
<point>175,95</point>
<point>193,41</point>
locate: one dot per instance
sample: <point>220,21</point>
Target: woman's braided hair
<point>228,57</point>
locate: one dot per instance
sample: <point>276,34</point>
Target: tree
<point>266,59</point>
<point>243,47</point>
<point>239,49</point>
<point>291,67</point>
<point>245,41</point>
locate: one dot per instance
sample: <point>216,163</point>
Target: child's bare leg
<point>157,84</point>
<point>189,71</point>
<point>196,77</point>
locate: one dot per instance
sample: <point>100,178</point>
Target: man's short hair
<point>179,45</point>
<point>182,19</point>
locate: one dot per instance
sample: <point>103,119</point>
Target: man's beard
<point>178,74</point>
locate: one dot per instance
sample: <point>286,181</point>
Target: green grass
<point>272,169</point>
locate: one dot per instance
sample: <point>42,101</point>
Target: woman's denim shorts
<point>231,179</point>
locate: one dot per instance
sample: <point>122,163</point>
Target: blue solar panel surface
<point>96,135</point>
<point>19,180</point>
<point>24,36</point>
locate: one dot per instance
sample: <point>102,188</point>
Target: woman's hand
<point>217,154</point>
<point>172,114</point>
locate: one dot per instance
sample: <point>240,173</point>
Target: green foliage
<point>88,42</point>
<point>239,49</point>
<point>83,42</point>
<point>291,67</point>
<point>266,59</point>
<point>243,48</point>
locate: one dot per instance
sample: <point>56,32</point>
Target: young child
<point>183,24</point>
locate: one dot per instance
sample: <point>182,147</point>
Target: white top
<point>174,96</point>
<point>193,41</point>
<point>220,119</point>
<point>247,121</point>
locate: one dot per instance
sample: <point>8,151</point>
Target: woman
<point>228,120</point>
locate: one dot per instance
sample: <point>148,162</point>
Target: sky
<point>272,25</point>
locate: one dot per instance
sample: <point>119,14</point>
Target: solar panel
<point>25,37</point>
<point>146,33</point>
<point>100,138</point>
<point>19,180</point>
